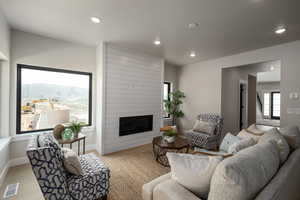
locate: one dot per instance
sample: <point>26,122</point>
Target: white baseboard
<point>3,173</point>
<point>18,161</point>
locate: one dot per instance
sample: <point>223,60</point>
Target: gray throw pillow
<point>71,162</point>
<point>243,175</point>
<point>204,127</point>
<point>282,144</point>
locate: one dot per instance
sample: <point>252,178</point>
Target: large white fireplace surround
<point>130,85</point>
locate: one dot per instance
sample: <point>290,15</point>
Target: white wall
<point>4,95</point>
<point>201,82</point>
<point>31,49</point>
<point>133,86</point>
<point>4,75</point>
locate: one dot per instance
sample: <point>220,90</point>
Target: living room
<point>109,69</point>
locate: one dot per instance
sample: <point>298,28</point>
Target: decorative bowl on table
<point>170,135</point>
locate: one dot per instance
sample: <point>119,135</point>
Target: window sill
<point>28,136</point>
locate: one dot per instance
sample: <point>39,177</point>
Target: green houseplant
<point>76,127</point>
<point>172,105</point>
<point>170,135</point>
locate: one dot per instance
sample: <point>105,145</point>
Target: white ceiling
<point>226,26</point>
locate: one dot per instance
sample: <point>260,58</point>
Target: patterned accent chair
<point>203,140</point>
<point>56,183</point>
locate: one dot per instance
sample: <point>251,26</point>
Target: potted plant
<point>170,135</point>
<point>172,105</point>
<point>76,127</point>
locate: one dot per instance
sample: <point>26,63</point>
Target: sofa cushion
<point>147,191</point>
<point>240,145</point>
<point>194,172</point>
<point>292,136</point>
<point>204,127</point>
<point>282,144</point>
<point>229,140</point>
<point>243,175</point>
<point>171,190</point>
<point>94,183</point>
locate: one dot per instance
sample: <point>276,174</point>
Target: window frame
<point>19,93</point>
<point>271,109</point>
<point>169,91</point>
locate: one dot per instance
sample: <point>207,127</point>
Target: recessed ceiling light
<point>157,41</point>
<point>95,20</point>
<point>272,68</point>
<point>193,54</point>
<point>193,25</point>
<point>280,30</point>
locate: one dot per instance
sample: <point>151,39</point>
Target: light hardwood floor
<point>130,169</point>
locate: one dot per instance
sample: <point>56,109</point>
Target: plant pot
<point>170,139</point>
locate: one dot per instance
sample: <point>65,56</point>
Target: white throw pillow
<point>255,130</point>
<point>243,175</point>
<point>194,172</point>
<point>229,140</point>
<point>282,144</point>
<point>71,162</point>
<point>244,134</point>
<point>204,127</point>
<point>292,136</point>
<point>240,145</point>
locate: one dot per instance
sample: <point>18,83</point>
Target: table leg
<point>78,147</point>
<point>70,145</point>
<point>84,146</point>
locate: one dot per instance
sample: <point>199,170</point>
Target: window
<point>275,105</point>
<point>47,97</point>
<point>167,90</point>
<point>272,105</point>
<point>266,104</point>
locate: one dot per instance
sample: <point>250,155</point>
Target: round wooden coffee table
<point>161,147</point>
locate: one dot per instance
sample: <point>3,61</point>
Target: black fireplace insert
<point>135,124</point>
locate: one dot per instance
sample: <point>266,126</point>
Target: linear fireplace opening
<point>135,124</point>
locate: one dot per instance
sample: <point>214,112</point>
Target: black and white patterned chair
<point>56,183</point>
<point>203,140</point>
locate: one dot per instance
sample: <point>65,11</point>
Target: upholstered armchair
<point>204,140</point>
<point>55,182</point>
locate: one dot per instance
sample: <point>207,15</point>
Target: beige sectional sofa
<point>283,185</point>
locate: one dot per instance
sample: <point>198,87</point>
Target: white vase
<point>169,139</point>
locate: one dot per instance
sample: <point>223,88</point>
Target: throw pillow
<point>194,172</point>
<point>71,162</point>
<point>229,140</point>
<point>253,129</point>
<point>204,127</point>
<point>240,145</point>
<point>243,175</point>
<point>282,144</point>
<point>292,136</point>
<point>245,134</point>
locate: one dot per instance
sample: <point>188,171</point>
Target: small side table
<point>161,147</point>
<point>80,137</point>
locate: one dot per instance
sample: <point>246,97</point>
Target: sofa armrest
<point>147,191</point>
<point>171,190</point>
